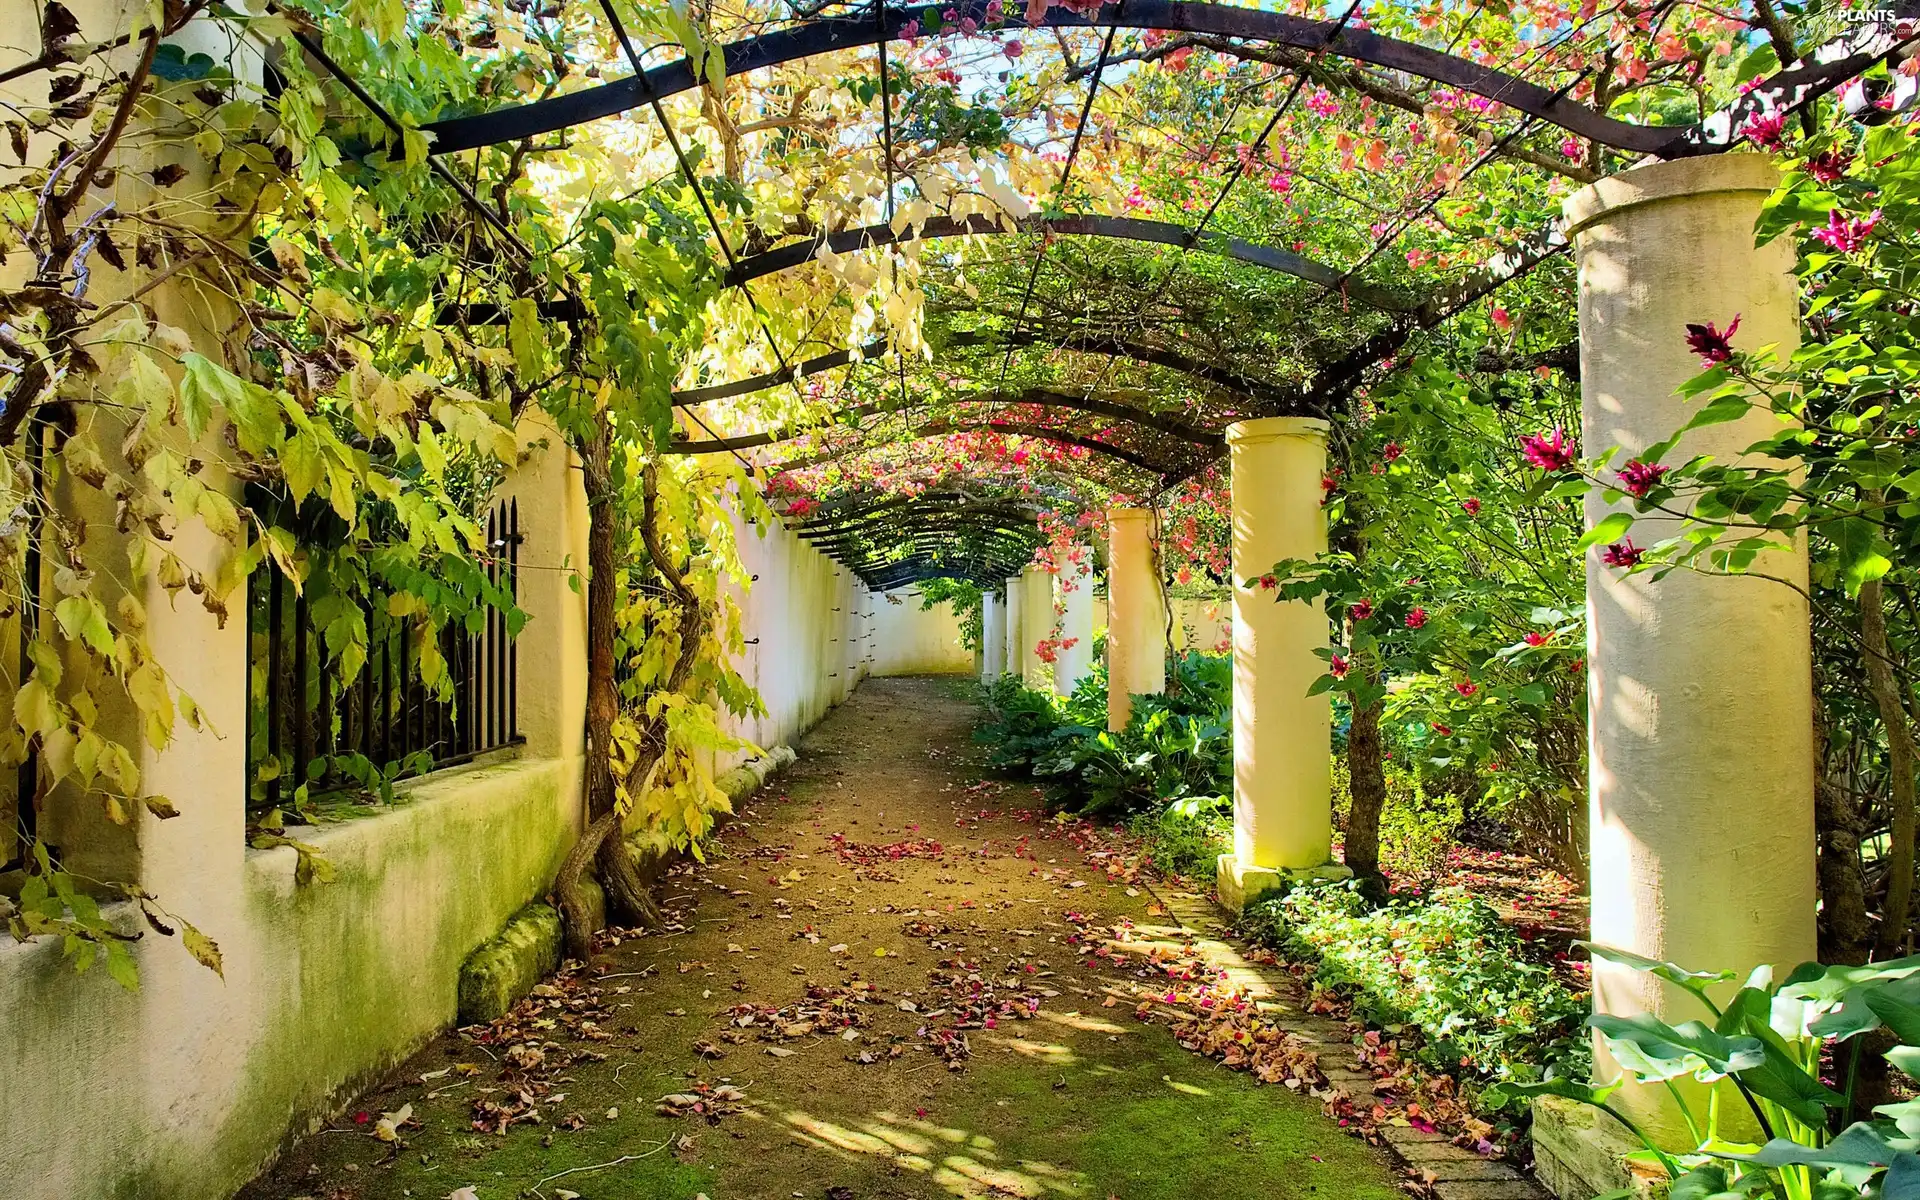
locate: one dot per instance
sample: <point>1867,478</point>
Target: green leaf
<point>1595,1094</point>
<point>1610,528</point>
<point>1703,1183</point>
<point>1655,1051</point>
<point>1696,982</point>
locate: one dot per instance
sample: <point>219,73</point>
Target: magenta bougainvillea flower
<point>1338,666</point>
<point>1417,617</point>
<point>1471,506</point>
<point>1466,687</point>
<point>1829,165</point>
<point>1623,553</point>
<point>1392,450</point>
<point>1549,452</point>
<point>1711,343</point>
<point>1362,609</point>
<point>1846,234</point>
<point>1766,130</point>
<point>1268,583</point>
<point>1637,478</point>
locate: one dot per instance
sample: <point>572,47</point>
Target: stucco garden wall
<point>183,1089</point>
<point>910,640</point>
<point>1197,624</point>
<point>810,616</point>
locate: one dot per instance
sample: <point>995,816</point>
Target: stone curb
<point>527,949</point>
<point>1455,1173</point>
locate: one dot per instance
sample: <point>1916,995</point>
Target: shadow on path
<point>883,983</point>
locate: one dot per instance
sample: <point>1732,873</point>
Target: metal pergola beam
<point>827,35</point>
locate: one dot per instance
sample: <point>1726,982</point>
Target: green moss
<point>506,968</point>
<point>1160,1124</point>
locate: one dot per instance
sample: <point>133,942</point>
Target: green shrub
<point>1187,837</point>
<point>1445,964</point>
<point>1176,746</point>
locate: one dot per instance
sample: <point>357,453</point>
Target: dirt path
<point>890,980</point>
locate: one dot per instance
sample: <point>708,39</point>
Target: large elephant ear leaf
<point>1656,1051</point>
<point>1854,1157</point>
<point>1696,982</point>
<point>1779,1077</point>
<point>1595,1094</point>
<point>1703,1183</point>
<point>1902,1180</point>
<point>1907,1058</point>
<point>1825,985</point>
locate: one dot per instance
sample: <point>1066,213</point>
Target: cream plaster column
<point>1282,737</point>
<point>1136,614</point>
<point>1010,661</point>
<point>551,693</point>
<point>1699,689</point>
<point>993,636</point>
<point>1076,625</point>
<point>1036,622</point>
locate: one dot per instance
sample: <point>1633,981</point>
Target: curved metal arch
<point>826,35</point>
<point>1041,397</point>
<point>1132,229</point>
<point>941,428</point>
<point>1084,343</point>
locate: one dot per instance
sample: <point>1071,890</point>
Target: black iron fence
<point>307,727</point>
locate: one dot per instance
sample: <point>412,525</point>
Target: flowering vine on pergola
<point>1081,261</point>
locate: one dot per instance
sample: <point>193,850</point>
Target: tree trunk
<point>1367,785</point>
<point>1895,918</point>
<point>604,843</point>
<point>1846,927</point>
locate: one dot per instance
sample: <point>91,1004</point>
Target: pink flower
<point>1846,234</point>
<point>1417,617</point>
<point>1765,130</point>
<point>910,30</point>
<point>1536,638</point>
<point>1637,478</point>
<point>1338,666</point>
<point>1268,583</point>
<point>1014,48</point>
<point>1549,452</point>
<point>1502,319</point>
<point>1362,609</point>
<point>1392,451</point>
<point>1622,553</point>
<point>1471,506</point>
<point>1321,104</point>
<point>1712,344</point>
<point>1466,687</point>
<point>1829,165</point>
<point>1279,183</point>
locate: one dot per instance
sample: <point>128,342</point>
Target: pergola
<point>1168,385</point>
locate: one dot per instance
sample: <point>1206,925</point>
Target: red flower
<point>1327,484</point>
<point>1844,234</point>
<point>1549,452</point>
<point>1502,319</point>
<point>1338,666</point>
<point>1417,617</point>
<point>1537,638</point>
<point>1471,506</point>
<point>1466,687</point>
<point>1362,609</point>
<point>1638,478</point>
<point>361,1118</point>
<point>1765,130</point>
<point>1622,553</point>
<point>1829,165</point>
<point>1268,583</point>
<point>1713,345</point>
<point>1442,730</point>
<point>1392,451</point>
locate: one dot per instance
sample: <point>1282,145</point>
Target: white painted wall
<point>909,640</point>
<point>812,618</point>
